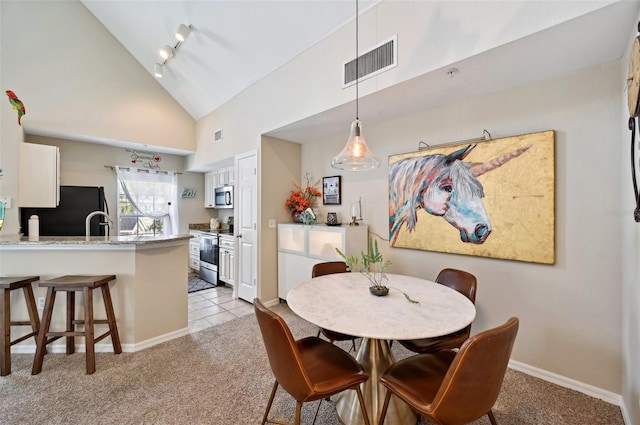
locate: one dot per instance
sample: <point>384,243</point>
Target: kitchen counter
<point>93,240</point>
<point>149,293</point>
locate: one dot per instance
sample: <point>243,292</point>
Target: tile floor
<point>214,306</point>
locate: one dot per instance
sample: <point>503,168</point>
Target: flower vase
<point>295,216</point>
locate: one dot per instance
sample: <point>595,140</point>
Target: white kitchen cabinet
<point>39,176</point>
<point>225,176</point>
<point>227,259</point>
<point>301,246</point>
<point>210,184</point>
<point>194,251</point>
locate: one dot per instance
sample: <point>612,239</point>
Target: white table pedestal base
<point>375,357</point>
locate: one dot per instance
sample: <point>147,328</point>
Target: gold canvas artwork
<point>491,199</point>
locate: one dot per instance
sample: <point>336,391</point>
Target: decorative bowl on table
<point>379,290</point>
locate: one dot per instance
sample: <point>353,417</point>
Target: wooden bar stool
<point>8,284</point>
<point>71,285</point>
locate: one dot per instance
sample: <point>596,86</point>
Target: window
<point>147,202</point>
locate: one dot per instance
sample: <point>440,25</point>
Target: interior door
<point>247,214</point>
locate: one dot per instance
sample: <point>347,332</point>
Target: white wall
<point>630,241</point>
<point>281,168</point>
<point>570,311</point>
<point>75,78</point>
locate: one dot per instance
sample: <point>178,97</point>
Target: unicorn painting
<point>444,186</point>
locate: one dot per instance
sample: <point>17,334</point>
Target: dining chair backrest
<point>473,381</point>
<point>463,282</point>
<point>283,353</point>
<point>328,267</point>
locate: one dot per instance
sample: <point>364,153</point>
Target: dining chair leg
<point>298,412</point>
<point>271,397</point>
<point>317,410</point>
<point>385,406</point>
<point>363,407</point>
<point>492,418</point>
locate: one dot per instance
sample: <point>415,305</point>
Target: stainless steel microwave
<point>224,197</point>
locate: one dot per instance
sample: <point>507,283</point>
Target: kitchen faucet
<point>87,223</point>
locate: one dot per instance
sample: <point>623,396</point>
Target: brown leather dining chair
<point>308,369</point>
<point>454,387</point>
<point>466,284</point>
<point>331,267</point>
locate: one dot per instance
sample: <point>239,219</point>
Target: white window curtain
<point>152,193</point>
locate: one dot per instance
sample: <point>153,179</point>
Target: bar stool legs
<point>71,285</point>
<point>8,284</point>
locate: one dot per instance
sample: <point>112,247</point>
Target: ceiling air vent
<point>378,59</point>
<point>217,136</point>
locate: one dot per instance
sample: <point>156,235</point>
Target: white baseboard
<point>132,348</point>
<point>271,303</point>
<point>563,381</point>
<point>59,347</point>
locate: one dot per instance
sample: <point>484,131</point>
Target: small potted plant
<point>371,265</point>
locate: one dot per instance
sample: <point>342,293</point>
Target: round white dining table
<point>341,302</point>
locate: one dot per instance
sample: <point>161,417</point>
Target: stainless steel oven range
<point>209,254</point>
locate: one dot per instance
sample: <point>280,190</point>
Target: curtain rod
<point>141,170</point>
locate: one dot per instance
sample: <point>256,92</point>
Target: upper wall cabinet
<point>39,176</point>
<point>210,182</point>
<point>225,176</point>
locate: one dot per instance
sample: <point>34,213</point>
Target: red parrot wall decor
<point>17,105</point>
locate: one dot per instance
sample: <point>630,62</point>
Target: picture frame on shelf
<point>332,190</point>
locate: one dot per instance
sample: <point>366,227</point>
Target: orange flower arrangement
<point>303,197</point>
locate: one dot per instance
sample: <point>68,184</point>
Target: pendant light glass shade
<point>356,155</point>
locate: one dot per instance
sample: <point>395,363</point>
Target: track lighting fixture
<point>167,52</point>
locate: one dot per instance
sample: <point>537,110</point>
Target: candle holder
<point>356,213</point>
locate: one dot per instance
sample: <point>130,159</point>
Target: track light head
<point>158,71</point>
<point>166,52</point>
<point>183,32</point>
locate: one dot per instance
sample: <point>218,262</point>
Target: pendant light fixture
<point>356,155</point>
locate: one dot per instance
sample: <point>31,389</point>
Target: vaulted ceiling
<point>235,43</point>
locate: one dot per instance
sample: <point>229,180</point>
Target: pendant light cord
<point>357,60</point>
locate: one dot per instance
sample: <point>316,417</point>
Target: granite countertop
<point>206,228</point>
<point>94,240</point>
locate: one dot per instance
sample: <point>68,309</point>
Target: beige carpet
<point>221,376</point>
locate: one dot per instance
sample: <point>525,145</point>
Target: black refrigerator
<point>68,219</point>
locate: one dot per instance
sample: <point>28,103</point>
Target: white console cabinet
<point>301,246</point>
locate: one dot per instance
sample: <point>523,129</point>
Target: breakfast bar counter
<point>149,293</point>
